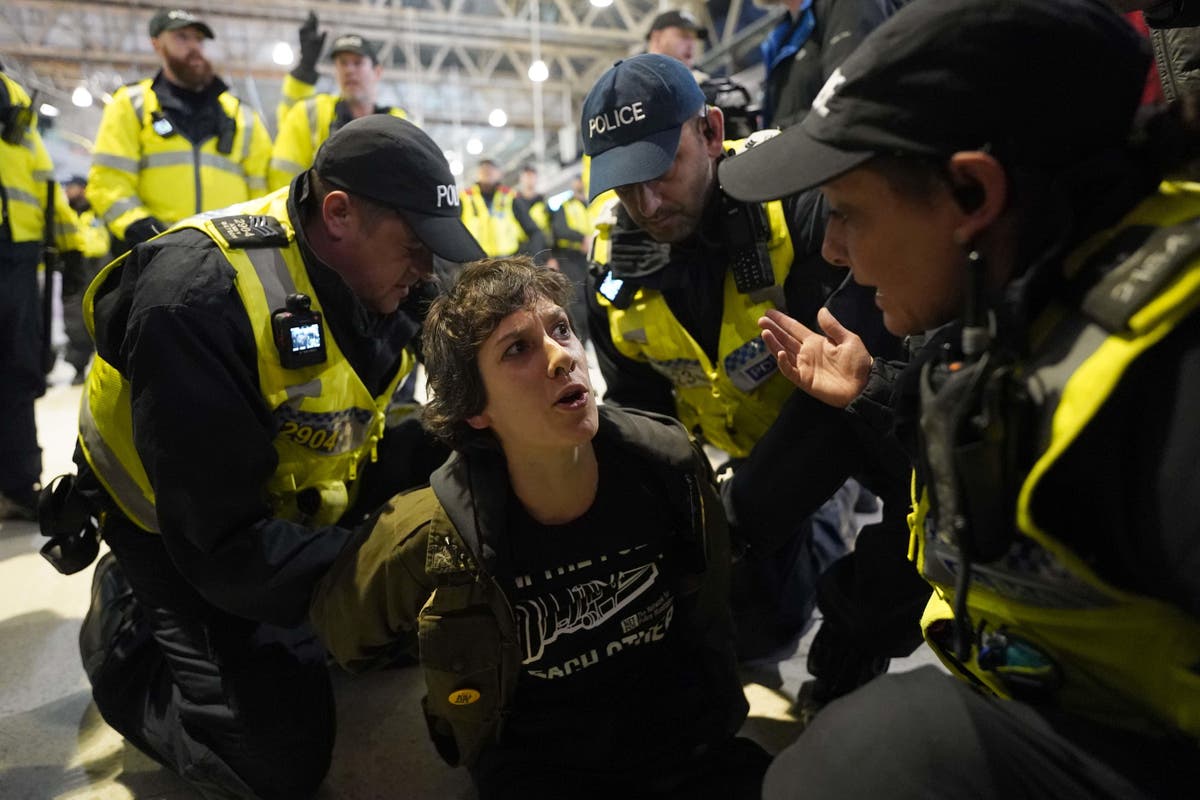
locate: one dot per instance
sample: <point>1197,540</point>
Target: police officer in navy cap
<point>683,274</point>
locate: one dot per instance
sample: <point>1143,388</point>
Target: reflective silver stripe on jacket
<point>247,117</point>
<point>120,207</point>
<point>109,467</point>
<point>312,124</point>
<point>187,158</point>
<point>22,196</point>
<point>283,165</point>
<point>121,163</point>
<point>137,99</point>
<point>273,274</point>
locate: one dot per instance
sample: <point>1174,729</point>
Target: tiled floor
<point>54,746</point>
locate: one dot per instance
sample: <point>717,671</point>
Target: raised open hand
<point>832,368</point>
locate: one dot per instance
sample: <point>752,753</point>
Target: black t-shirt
<point>609,684</point>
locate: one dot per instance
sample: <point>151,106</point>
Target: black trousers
<point>21,378</point>
<point>925,734</point>
<point>238,708</point>
<point>77,276</point>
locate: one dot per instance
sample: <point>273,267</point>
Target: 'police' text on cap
<point>396,164</point>
<point>632,118</point>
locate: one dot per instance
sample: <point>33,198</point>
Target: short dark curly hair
<point>457,325</point>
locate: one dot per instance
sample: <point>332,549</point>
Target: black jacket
<point>176,327</point>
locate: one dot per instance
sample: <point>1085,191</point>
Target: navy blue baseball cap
<point>632,118</point>
<point>948,75</point>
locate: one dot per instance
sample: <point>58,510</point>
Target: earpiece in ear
<point>969,196</point>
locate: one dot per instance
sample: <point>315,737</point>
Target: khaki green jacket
<point>428,568</point>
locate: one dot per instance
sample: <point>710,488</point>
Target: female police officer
<point>987,176</point>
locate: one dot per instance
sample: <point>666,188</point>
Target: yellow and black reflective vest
<point>328,422</point>
<point>142,167</point>
<point>25,174</point>
<point>305,127</point>
<point>1043,622</point>
<point>575,214</point>
<point>495,227</point>
<point>733,401</point>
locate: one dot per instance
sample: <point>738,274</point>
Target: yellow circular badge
<point>463,697</point>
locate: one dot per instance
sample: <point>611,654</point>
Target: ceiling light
<point>48,110</point>
<point>538,71</point>
<point>81,97</point>
<point>602,3</point>
<point>497,119</point>
<point>474,146</point>
<point>282,54</point>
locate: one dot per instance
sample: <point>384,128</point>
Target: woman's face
<point>903,246</point>
<point>535,375</point>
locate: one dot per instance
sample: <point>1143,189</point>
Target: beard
<point>194,74</point>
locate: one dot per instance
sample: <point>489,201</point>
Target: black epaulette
<point>1140,278</point>
<point>251,230</point>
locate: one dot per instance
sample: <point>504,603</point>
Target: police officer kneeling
<point>245,360</point>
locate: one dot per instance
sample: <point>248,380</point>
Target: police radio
<point>746,234</point>
<point>299,334</point>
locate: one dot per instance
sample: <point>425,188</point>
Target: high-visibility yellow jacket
<point>324,436</point>
<point>26,173</point>
<point>306,126</point>
<point>732,401</point>
<point>1043,622</point>
<point>575,215</point>
<point>94,239</point>
<point>292,92</point>
<point>496,227</point>
<point>142,167</point>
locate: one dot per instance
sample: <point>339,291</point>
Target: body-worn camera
<point>299,334</point>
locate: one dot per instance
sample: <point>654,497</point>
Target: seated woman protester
<point>566,572</point>
<point>1038,230</point>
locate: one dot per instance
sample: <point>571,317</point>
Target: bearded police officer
<point>175,144</point>
<point>233,424</point>
<point>686,273</point>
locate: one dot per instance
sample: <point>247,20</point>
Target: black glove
<point>142,230</point>
<point>838,667</point>
<point>311,44</point>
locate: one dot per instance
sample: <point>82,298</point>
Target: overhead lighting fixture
<point>538,71</point>
<point>601,3</point>
<point>81,97</point>
<point>474,145</point>
<point>456,167</point>
<point>48,110</point>
<point>282,54</point>
<point>497,119</point>
<point>106,98</point>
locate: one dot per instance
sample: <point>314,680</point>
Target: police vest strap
<point>1124,291</point>
<point>251,230</point>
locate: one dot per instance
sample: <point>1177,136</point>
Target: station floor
<point>55,746</point>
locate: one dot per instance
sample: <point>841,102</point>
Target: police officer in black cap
<point>1046,243</point>
<point>232,435</point>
